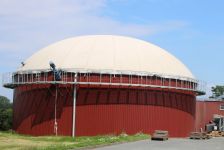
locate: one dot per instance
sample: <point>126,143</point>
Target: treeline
<point>217,91</point>
<point>5,114</point>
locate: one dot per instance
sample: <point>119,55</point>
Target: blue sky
<point>191,30</point>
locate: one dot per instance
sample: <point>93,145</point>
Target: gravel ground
<point>171,144</point>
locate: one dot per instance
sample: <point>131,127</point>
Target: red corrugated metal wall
<point>114,119</point>
<point>112,111</point>
<point>103,110</point>
<point>34,110</point>
<point>205,111</point>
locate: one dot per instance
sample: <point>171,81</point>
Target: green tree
<point>5,113</point>
<point>217,91</point>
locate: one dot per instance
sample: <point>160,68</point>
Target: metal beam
<point>74,108</point>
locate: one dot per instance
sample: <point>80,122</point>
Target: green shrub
<point>5,114</point>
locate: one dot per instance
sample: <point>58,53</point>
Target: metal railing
<point>11,80</point>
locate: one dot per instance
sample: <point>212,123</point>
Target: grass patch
<point>13,141</point>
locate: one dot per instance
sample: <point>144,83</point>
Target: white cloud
<point>48,8</point>
<point>28,25</point>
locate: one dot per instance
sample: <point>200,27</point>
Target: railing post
<point>170,82</point>
<point>100,77</point>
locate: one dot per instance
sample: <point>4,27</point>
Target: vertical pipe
<point>74,107</point>
<point>55,111</point>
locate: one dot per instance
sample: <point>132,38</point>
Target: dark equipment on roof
<point>57,73</point>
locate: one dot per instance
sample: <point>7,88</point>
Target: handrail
<point>11,80</point>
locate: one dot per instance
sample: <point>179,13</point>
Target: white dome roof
<point>107,52</point>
